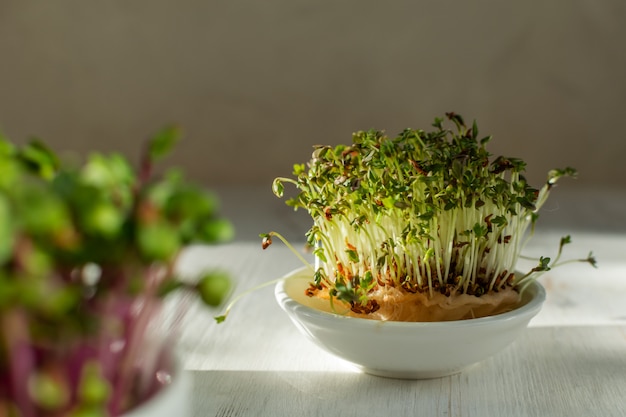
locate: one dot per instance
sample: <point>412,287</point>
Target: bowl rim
<point>290,305</point>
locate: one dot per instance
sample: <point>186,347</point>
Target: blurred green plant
<point>87,255</point>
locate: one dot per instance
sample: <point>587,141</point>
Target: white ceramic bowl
<point>173,399</point>
<point>401,349</point>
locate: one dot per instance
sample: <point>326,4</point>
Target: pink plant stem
<point>21,361</point>
<point>135,336</point>
<point>145,167</point>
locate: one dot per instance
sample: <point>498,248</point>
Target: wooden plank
<point>550,371</point>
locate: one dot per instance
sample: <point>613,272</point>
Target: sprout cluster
<point>423,211</point>
<point>87,253</point>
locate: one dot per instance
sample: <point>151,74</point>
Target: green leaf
<point>298,169</point>
<point>499,221</point>
<point>8,290</point>
<point>367,280</point>
<point>60,302</point>
<point>47,392</point>
<point>438,123</point>
<point>36,262</point>
<point>107,171</point>
<point>591,260</point>
<point>389,202</point>
<point>216,230</point>
<point>353,256</point>
<point>6,230</point>
<point>163,141</point>
<point>565,240</point>
<point>40,159</point>
<point>89,411</point>
<point>93,388</point>
<point>214,288</point>
<point>555,174</point>
<point>544,264</point>
<point>320,254</point>
<point>457,119</point>
<point>6,147</point>
<point>12,172</point>
<point>102,219</point>
<point>158,241</point>
<point>278,188</point>
<point>189,202</point>
<point>41,212</point>
<point>526,203</point>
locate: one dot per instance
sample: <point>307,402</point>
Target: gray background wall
<point>256,83</point>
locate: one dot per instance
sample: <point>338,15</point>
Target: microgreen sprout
<point>423,212</point>
<point>265,243</point>
<point>87,254</point>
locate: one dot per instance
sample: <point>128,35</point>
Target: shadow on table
<point>549,372</point>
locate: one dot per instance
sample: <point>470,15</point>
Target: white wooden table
<point>570,362</point>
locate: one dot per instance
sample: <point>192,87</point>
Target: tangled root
<point>394,304</point>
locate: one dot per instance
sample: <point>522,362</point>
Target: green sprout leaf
<point>40,159</point>
<point>48,392</point>
<point>6,230</point>
<point>216,230</point>
<point>107,171</point>
<point>591,260</point>
<point>213,288</point>
<point>158,241</point>
<point>41,212</point>
<point>480,230</point>
<point>6,147</point>
<point>93,388</point>
<point>102,219</point>
<point>163,141</point>
<point>544,265</point>
<point>353,255</point>
<point>278,188</point>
